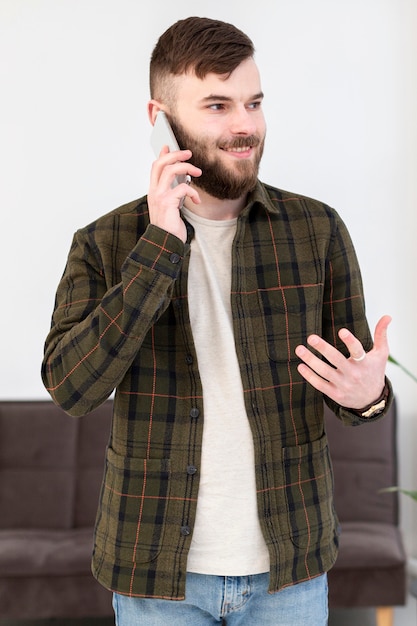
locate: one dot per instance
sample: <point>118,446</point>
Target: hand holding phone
<point>164,203</point>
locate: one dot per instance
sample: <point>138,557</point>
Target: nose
<point>242,121</point>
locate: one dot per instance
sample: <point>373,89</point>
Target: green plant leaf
<point>407,492</point>
<point>404,369</point>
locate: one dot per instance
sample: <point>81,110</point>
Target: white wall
<point>341,102</point>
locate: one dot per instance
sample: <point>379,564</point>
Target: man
<point>221,325</point>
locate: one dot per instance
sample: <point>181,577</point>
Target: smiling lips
<point>244,149</point>
<point>242,145</point>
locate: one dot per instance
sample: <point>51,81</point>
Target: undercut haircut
<point>196,44</point>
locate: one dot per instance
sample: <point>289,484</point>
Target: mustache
<point>251,141</point>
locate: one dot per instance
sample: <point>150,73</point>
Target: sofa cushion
<point>58,599</point>
<point>369,545</point>
<point>51,466</point>
<point>45,552</point>
<point>38,447</point>
<point>364,462</point>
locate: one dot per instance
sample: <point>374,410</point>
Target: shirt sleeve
<point>344,306</point>
<point>97,327</point>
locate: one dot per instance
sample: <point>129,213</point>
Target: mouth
<point>241,146</point>
<point>238,150</point>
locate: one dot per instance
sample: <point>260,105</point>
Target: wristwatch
<point>376,407</point>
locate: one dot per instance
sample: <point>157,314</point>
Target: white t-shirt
<point>227,538</point>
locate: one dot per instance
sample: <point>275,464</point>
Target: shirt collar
<point>260,196</point>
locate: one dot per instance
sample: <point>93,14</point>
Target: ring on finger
<point>359,358</point>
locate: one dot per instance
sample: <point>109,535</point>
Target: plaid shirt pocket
<point>133,508</point>
<point>289,316</point>
<point>309,493</point>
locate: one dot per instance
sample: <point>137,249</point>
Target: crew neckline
<point>193,217</point>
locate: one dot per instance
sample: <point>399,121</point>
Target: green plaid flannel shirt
<point>121,322</point>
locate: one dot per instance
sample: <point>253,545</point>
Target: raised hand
<point>352,382</point>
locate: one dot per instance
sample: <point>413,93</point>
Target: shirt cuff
<point>159,250</point>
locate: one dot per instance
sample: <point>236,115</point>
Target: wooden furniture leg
<point>385,616</point>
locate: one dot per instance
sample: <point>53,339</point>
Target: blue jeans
<point>238,600</point>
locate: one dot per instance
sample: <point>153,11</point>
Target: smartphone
<point>163,135</point>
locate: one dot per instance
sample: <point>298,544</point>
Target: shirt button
<point>194,413</point>
<point>185,531</point>
<point>189,359</point>
<point>175,258</point>
<point>191,470</point>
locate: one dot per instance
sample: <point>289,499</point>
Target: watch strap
<point>376,407</point>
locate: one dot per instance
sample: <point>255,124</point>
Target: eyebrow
<point>219,98</point>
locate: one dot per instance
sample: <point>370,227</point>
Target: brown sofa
<point>51,466</point>
<point>370,570</point>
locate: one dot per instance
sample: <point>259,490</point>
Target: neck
<point>215,209</point>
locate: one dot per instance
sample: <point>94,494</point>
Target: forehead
<point>242,84</point>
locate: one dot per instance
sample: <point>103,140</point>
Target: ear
<point>153,107</point>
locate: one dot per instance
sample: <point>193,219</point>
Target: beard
<point>216,179</point>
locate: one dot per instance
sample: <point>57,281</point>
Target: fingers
<point>317,381</point>
<point>331,354</point>
<point>172,164</point>
<point>165,197</point>
<point>355,347</point>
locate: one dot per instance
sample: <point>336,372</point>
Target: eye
<point>217,106</point>
<point>255,105</point>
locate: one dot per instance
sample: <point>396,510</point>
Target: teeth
<point>238,149</point>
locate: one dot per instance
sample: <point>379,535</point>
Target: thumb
<point>380,335</point>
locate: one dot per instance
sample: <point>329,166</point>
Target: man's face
<point>221,121</point>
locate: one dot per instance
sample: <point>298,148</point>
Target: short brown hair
<point>197,44</point>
